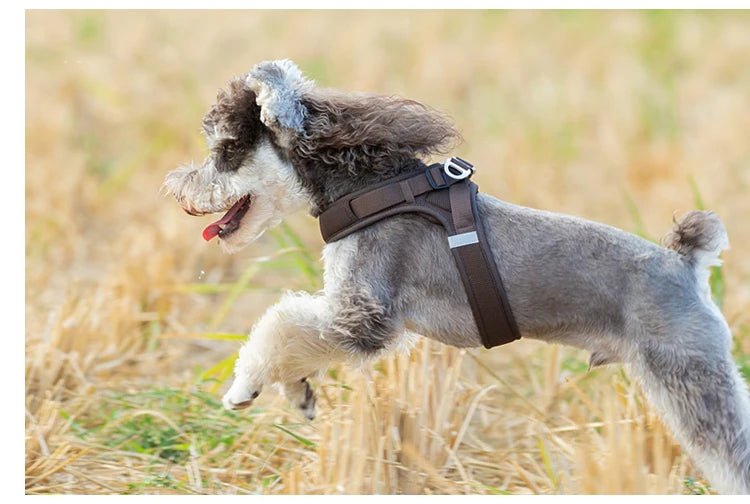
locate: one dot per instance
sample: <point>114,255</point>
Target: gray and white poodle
<point>279,144</point>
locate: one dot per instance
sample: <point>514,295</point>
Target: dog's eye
<point>227,157</point>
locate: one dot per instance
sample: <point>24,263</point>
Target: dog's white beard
<point>272,183</point>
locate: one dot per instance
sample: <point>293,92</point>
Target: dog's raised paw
<point>307,406</point>
<point>237,399</point>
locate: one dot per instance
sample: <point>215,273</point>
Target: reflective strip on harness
<point>453,204</point>
<point>463,239</point>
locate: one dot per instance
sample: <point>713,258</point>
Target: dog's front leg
<point>302,335</point>
<point>284,348</point>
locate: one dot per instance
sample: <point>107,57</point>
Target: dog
<point>279,144</point>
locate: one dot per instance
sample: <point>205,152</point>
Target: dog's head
<point>277,144</point>
<point>246,174</point>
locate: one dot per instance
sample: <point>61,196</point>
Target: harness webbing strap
<point>354,209</point>
<point>452,202</point>
<point>482,283</point>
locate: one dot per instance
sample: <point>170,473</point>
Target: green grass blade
<point>233,294</point>
<point>303,259</point>
<point>296,436</point>
<point>697,199</point>
<point>303,250</point>
<point>491,489</point>
<point>208,336</point>
<point>717,286</point>
<point>221,371</point>
<point>546,462</point>
<point>717,276</point>
<point>640,227</point>
<point>210,288</point>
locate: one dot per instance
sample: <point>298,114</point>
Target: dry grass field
<point>132,320</point>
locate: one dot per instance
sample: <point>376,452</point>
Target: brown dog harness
<point>444,194</point>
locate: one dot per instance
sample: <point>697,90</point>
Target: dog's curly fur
<point>697,231</point>
<point>363,138</point>
<point>282,144</point>
<point>238,114</point>
<point>363,323</point>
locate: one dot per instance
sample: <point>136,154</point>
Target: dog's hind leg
<point>702,397</point>
<point>686,367</point>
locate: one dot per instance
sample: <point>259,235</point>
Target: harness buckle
<point>457,168</point>
<point>432,182</point>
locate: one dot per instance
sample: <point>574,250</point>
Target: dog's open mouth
<point>230,222</point>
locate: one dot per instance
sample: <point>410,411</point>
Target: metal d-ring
<point>457,168</point>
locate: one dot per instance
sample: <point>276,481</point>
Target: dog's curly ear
<point>278,86</point>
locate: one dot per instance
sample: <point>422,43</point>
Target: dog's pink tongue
<point>211,231</point>
<point>214,228</point>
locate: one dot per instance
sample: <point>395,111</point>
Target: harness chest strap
<point>444,193</point>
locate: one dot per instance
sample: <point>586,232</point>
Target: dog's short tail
<point>700,236</point>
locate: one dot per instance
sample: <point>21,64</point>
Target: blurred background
<point>132,320</point>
